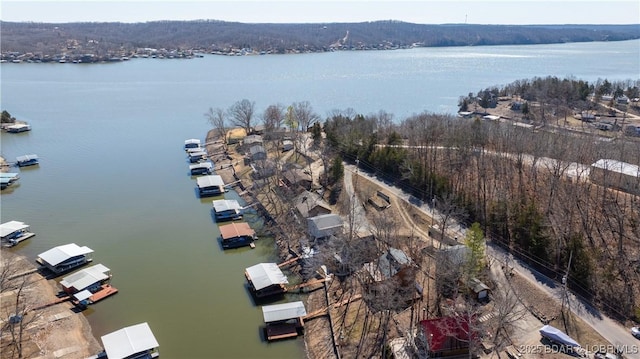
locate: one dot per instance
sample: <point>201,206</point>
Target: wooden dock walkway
<point>324,311</point>
<point>57,301</point>
<point>287,262</point>
<point>307,284</point>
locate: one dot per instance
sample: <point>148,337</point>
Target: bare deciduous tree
<point>241,114</point>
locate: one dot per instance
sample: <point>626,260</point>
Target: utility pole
<point>565,296</point>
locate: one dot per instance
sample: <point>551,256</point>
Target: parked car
<point>601,354</point>
<point>635,331</point>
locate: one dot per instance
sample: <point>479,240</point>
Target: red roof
<point>446,333</point>
<point>234,230</point>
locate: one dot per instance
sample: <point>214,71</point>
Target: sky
<point>508,12</point>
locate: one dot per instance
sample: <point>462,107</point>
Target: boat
<point>27,160</point>
<point>14,232</point>
<point>202,168</point>
<point>18,127</point>
<point>236,235</point>
<point>227,209</point>
<point>211,185</point>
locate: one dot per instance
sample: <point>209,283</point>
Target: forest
<point>104,39</point>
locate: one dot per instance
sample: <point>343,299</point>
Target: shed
<point>479,289</point>
<point>85,279</point>
<point>133,340</point>
<point>266,279</point>
<point>324,225</point>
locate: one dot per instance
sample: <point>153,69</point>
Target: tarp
<point>558,336</point>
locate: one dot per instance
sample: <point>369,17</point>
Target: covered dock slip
<point>284,320</point>
<point>89,278</point>
<point>191,143</point>
<point>203,168</point>
<point>235,235</point>
<point>27,160</point>
<point>136,341</point>
<point>18,127</point>
<point>211,185</point>
<point>63,258</point>
<point>198,156</point>
<point>227,209</point>
<point>14,232</point>
<point>266,279</point>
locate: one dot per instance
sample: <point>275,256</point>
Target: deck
<point>15,241</point>
<point>284,330</point>
<point>107,290</point>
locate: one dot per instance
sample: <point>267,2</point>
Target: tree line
<point>213,35</point>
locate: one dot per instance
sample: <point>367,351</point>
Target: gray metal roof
<point>306,201</point>
<point>210,181</point>
<point>86,277</point>
<point>57,255</point>
<point>201,165</point>
<point>326,221</point>
<point>11,226</point>
<point>278,312</point>
<point>82,295</point>
<point>192,140</point>
<point>27,157</point>
<point>128,341</point>
<point>263,275</point>
<point>221,205</point>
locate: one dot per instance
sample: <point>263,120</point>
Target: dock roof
<point>192,141</point>
<point>263,275</point>
<point>27,157</point>
<point>221,205</point>
<point>57,255</point>
<point>234,230</point>
<point>209,181</point>
<point>86,277</point>
<point>206,164</point>
<point>11,226</point>
<point>128,341</point>
<point>285,311</point>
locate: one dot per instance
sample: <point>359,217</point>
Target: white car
<point>635,331</point>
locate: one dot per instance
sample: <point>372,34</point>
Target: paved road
<point>611,330</point>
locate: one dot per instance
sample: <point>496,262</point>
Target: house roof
<point>306,201</point>
<point>437,332</point>
<point>254,150</point>
<point>285,311</point>
<point>128,341</point>
<point>263,275</point>
<point>209,181</point>
<point>388,264</point>
<point>57,255</point>
<point>234,230</point>
<point>618,166</point>
<point>11,226</point>
<point>251,139</point>
<point>86,277</point>
<point>295,175</point>
<point>221,205</point>
<point>326,221</point>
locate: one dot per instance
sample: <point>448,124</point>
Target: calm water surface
<point>113,175</point>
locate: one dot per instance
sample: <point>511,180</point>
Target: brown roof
<point>234,230</point>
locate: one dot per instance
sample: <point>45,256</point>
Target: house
<point>191,143</point>
<point>465,114</point>
<point>263,169</point>
<point>66,257</point>
<point>211,185</point>
<point>266,279</point>
<point>479,290</point>
<point>394,277</point>
<point>136,341</point>
<point>324,225</point>
<point>287,145</point>
<point>388,265</point>
<point>284,320</point>
<point>491,117</point>
<point>446,336</point>
<point>296,177</point>
<point>257,153</point>
<point>311,204</point>
<point>252,140</point>
<point>235,235</point>
<point>616,174</point>
<point>622,100</point>
<point>588,116</point>
<point>227,209</point>
<point>14,232</point>
<point>632,130</point>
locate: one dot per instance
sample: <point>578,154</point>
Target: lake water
<point>113,174</point>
